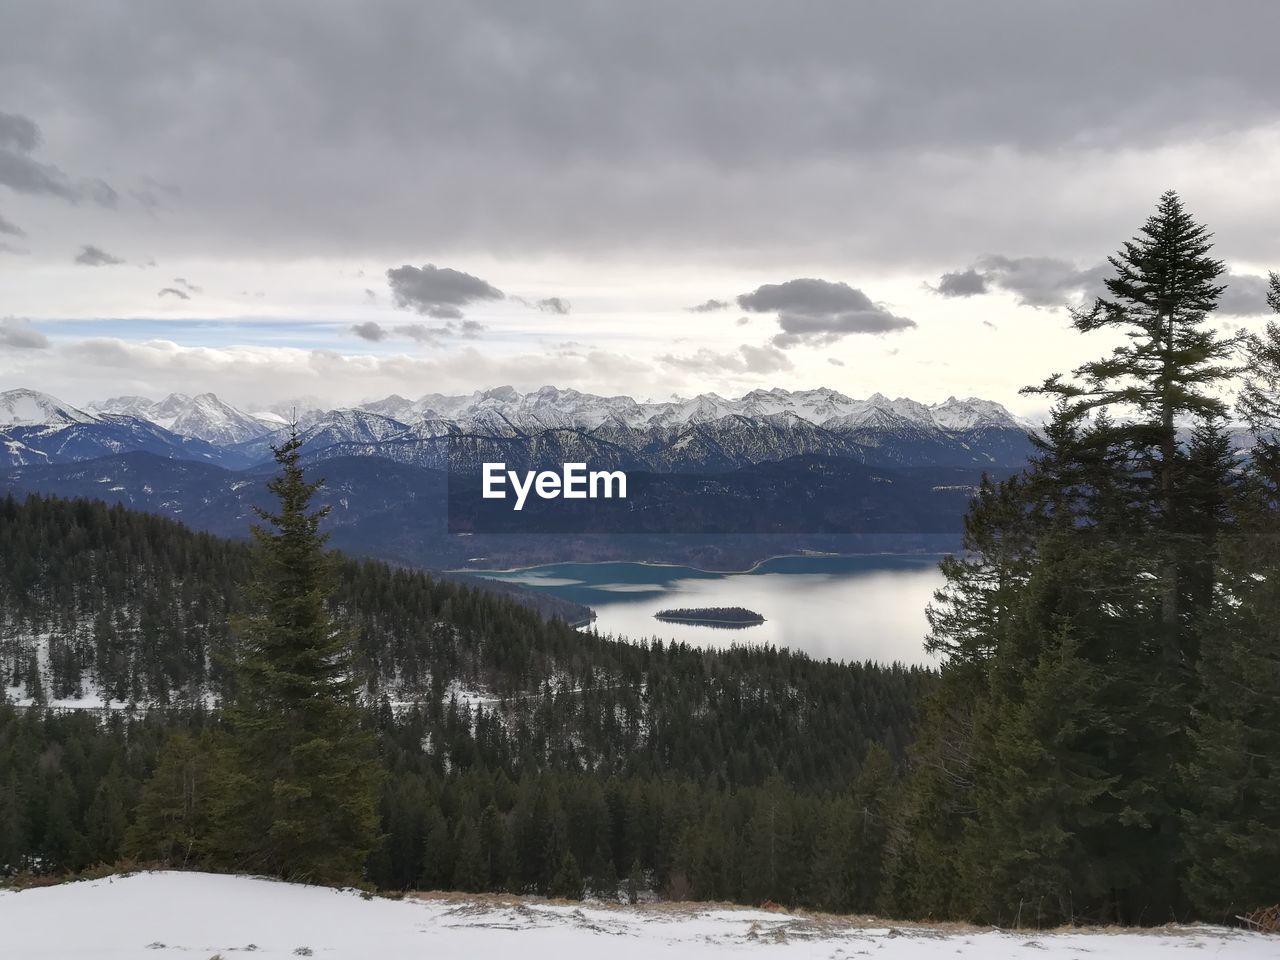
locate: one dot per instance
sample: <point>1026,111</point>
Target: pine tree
<point>1231,782</point>
<point>438,855</point>
<point>1163,292</point>
<point>1124,520</point>
<point>470,871</point>
<point>499,856</point>
<point>107,818</point>
<point>635,882</point>
<point>1028,844</point>
<point>873,800</point>
<point>298,790</point>
<point>567,881</point>
<point>604,877</point>
<point>172,820</point>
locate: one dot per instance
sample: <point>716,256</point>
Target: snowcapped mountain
<point>204,417</point>
<point>505,409</point>
<point>326,430</point>
<point>974,414</point>
<point>36,428</point>
<point>705,432</point>
<point>395,406</point>
<point>814,461</point>
<point>32,408</point>
<point>350,426</point>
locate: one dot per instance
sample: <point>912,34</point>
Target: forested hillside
<point>497,727</point>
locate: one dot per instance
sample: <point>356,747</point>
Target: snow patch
<point>186,915</point>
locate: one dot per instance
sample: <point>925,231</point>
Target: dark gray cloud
<point>91,256</point>
<point>19,334</point>
<point>18,133</point>
<point>1044,281</point>
<point>834,362</point>
<point>439,292</point>
<point>371,330</point>
<point>963,283</point>
<point>710,306</point>
<point>12,229</point>
<point>820,311</point>
<point>712,128</point>
<point>1245,296</point>
<point>173,292</point>
<point>1034,281</point>
<point>22,173</point>
<point>187,285</point>
<point>1049,282</point>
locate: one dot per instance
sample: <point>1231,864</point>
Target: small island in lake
<point>715,616</point>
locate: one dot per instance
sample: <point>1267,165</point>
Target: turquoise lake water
<point>843,608</point>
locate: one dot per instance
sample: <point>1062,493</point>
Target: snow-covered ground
<point>200,916</point>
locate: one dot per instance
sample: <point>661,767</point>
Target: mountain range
<point>812,464</point>
<point>706,432</point>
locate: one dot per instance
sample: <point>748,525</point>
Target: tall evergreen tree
<point>1231,780</point>
<point>299,781</point>
<point>1069,625</point>
<point>1164,290</point>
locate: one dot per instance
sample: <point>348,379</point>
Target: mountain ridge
<point>708,467</point>
<point>703,432</point>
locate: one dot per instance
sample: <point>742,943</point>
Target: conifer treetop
<point>1165,287</point>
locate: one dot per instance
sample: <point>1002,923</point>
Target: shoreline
<point>685,566</point>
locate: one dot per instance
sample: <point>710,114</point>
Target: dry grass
<point>1266,920</point>
<point>813,922</point>
<point>686,908</point>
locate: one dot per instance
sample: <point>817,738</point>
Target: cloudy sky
<point>344,200</point>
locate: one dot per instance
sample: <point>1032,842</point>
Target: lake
<point>868,607</point>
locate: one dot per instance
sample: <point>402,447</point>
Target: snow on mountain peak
<point>505,411</point>
<point>971,414</point>
<point>204,416</point>
<point>24,407</point>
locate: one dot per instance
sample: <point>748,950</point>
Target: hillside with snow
<point>194,915</point>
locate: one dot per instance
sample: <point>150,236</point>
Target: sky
<point>340,201</point>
